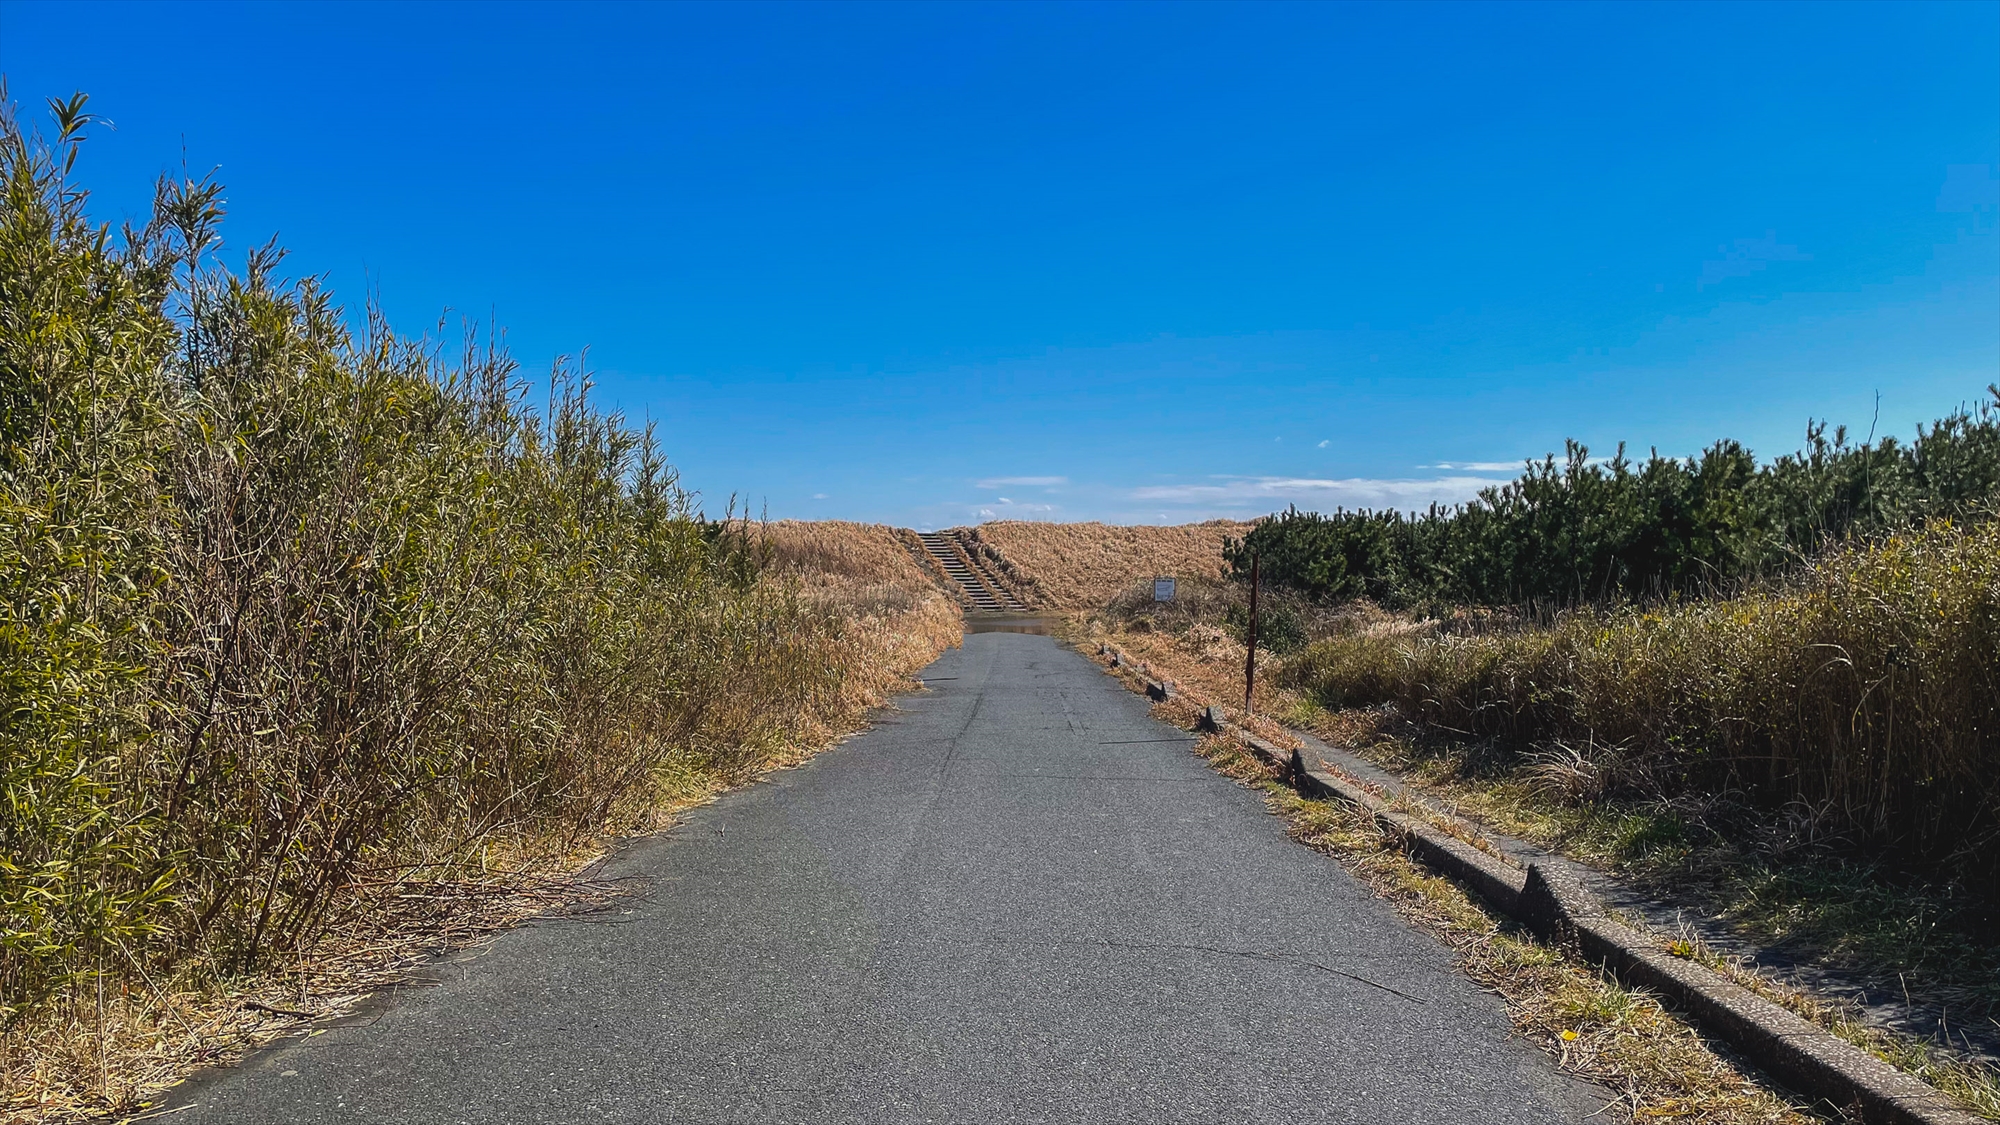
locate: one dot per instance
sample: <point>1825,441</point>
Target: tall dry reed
<point>1865,694</point>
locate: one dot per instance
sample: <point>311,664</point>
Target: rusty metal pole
<point>1250,661</point>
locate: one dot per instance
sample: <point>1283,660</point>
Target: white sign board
<point>1163,589</point>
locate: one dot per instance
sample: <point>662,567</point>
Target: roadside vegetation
<point>1769,693</point>
<point>1860,696</point>
<point>1589,531</point>
<point>1815,761</point>
<point>310,631</point>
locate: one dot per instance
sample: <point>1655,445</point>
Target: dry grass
<point>894,620</point>
<point>1203,661</point>
<point>867,554</point>
<point>1208,668</point>
<point>120,1050</point>
<point>1079,566</point>
<point>117,1050</point>
<point>1865,694</point>
<point>1652,1064</point>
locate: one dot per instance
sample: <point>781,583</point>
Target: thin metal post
<point>1250,661</point>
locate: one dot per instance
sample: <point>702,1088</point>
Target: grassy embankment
<point>321,650</point>
<point>1082,566</point>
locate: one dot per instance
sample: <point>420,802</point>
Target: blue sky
<point>932,264</point>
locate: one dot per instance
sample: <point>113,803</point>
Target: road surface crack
<point>1248,954</point>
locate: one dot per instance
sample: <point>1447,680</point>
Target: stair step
<point>981,588</point>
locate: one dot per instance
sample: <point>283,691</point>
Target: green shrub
<point>1580,531</point>
<point>280,603</point>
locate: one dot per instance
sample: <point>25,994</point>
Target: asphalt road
<point>1017,898</point>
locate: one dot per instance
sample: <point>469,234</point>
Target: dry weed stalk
<point>1866,690</point>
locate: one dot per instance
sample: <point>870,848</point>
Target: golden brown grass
<point>1654,1069</point>
<point>1652,1065</point>
<point>893,618</point>
<point>866,554</point>
<point>1079,566</point>
<point>1202,659</point>
<point>1864,693</point>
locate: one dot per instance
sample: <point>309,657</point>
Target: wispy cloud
<point>1349,492</point>
<point>1003,508</point>
<point>1324,444</point>
<point>819,496</point>
<point>1021,482</point>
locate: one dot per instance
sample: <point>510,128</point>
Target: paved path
<point>1018,898</point>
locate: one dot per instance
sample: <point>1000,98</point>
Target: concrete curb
<point>1157,690</point>
<point>1799,1054</point>
<point>1558,908</point>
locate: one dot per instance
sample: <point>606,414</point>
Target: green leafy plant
<point>286,599</point>
<point>1578,530</point>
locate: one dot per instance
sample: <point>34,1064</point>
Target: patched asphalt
<point>1016,898</point>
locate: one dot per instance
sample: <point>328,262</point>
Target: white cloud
<point>1352,492</point>
<point>1323,444</point>
<point>1021,482</point>
<point>1004,508</point>
<point>819,496</point>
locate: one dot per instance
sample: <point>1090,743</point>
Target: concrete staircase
<point>982,591</point>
